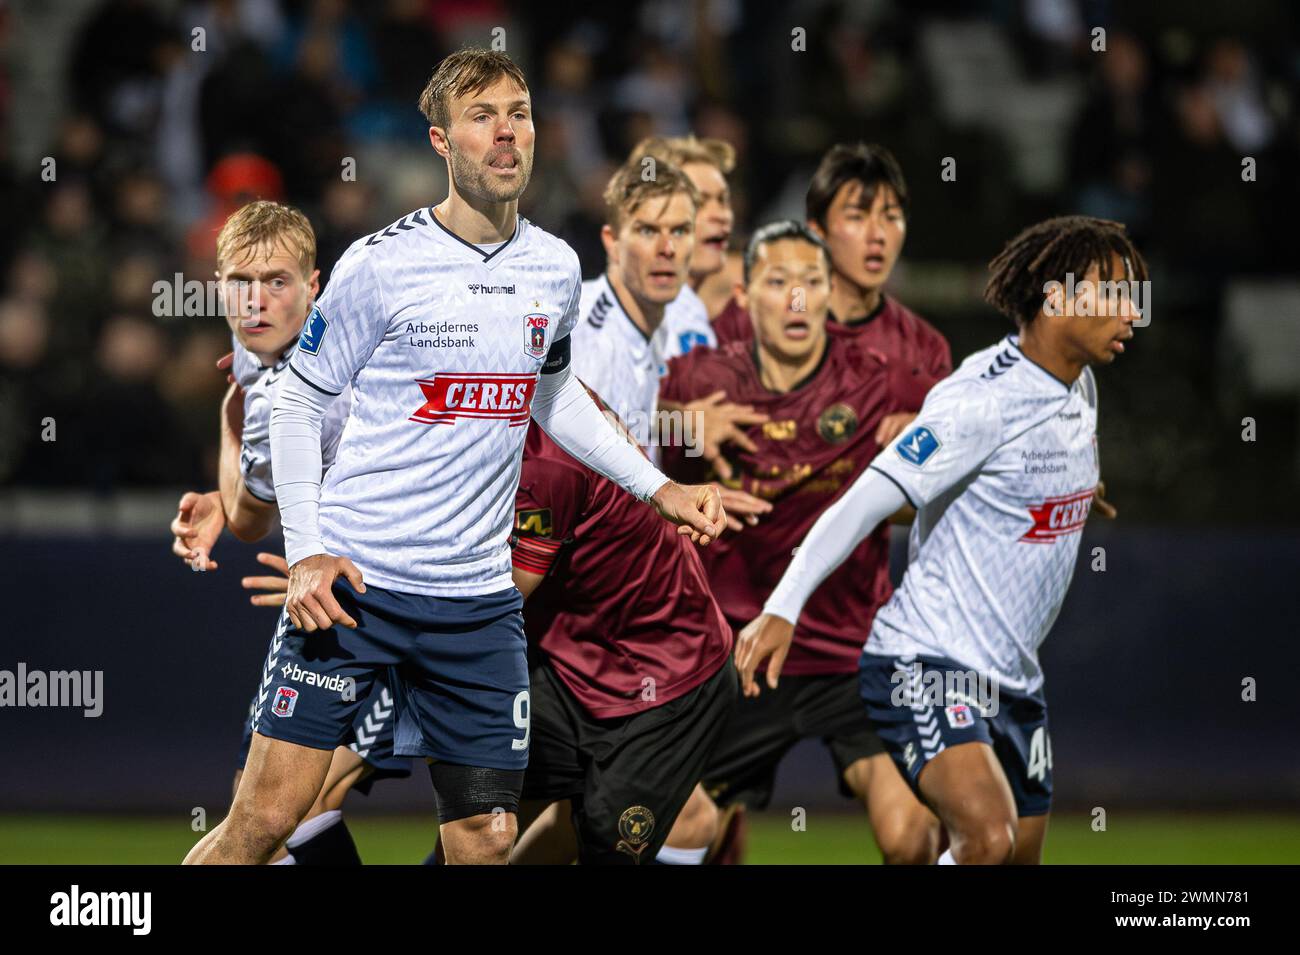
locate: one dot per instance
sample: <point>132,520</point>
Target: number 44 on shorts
<point>1040,755</point>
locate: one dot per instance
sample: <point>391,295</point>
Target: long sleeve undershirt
<point>871,499</point>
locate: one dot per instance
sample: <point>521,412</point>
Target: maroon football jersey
<point>625,616</point>
<point>821,436</point>
<point>916,351</point>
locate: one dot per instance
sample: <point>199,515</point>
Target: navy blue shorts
<point>461,688</point>
<point>917,726</point>
<point>372,733</point>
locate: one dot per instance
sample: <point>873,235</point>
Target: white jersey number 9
<point>522,711</point>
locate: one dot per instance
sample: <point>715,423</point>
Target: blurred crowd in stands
<point>161,118</point>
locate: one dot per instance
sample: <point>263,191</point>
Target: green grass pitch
<point>829,838</point>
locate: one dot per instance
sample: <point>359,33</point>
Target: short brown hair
<point>263,222</point>
<point>462,73</point>
<point>871,165</point>
<point>682,150</point>
<point>630,186</point>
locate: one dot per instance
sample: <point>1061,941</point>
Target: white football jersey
<point>260,384</point>
<point>1001,464</point>
<point>442,344</point>
<point>685,326</point>
<point>615,359</point>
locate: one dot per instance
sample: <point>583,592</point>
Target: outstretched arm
<point>566,412</point>
<point>248,517</point>
<point>871,499</point>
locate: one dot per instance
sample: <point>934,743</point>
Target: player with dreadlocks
<point>1001,466</point>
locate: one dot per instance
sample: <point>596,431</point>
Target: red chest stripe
<point>452,396</point>
<point>1058,516</point>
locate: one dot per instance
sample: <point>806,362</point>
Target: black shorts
<point>629,776</point>
<point>763,729</point>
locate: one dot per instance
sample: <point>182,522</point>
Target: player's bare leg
<point>906,832</point>
<point>968,790</point>
<point>346,770</point>
<point>547,836</point>
<point>694,830</point>
<point>281,782</point>
<point>1030,836</point>
<point>485,839</point>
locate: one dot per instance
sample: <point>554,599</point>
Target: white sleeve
<point>345,326</point>
<point>300,407</point>
<point>842,526</point>
<point>958,427</point>
<point>340,334</point>
<point>566,412</point>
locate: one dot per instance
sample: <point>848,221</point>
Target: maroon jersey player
<point>630,665</point>
<point>857,201</point>
<point>824,396</point>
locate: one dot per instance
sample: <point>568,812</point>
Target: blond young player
<point>266,264</point>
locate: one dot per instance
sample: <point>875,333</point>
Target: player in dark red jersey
<point>630,674</point>
<point>857,201</point>
<point>825,396</point>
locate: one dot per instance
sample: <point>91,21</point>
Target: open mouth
<point>717,241</point>
<point>1117,343</point>
<point>798,329</point>
<point>874,263</point>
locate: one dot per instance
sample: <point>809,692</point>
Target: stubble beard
<point>472,178</point>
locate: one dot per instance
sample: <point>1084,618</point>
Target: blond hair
<point>265,223</point>
<point>637,182</point>
<point>683,150</point>
<point>462,73</point>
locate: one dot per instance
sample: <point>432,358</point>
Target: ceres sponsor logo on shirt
<point>1058,516</point>
<point>452,396</point>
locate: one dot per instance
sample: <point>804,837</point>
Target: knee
<point>986,842</point>
<point>483,839</point>
<point>909,838</point>
<point>264,826</point>
<point>697,824</point>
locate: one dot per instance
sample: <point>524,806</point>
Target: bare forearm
<point>248,518</point>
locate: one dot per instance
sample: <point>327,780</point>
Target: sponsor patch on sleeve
<point>313,332</point>
<point>688,340</point>
<point>917,446</point>
<point>537,522</point>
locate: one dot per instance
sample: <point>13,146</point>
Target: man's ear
<point>816,229</point>
<point>313,284</point>
<point>1054,299</point>
<point>438,140</point>
<point>610,242</point>
<point>742,297</point>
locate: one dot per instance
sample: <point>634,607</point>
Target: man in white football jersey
<point>707,163</point>
<point>1001,466</point>
<point>266,264</point>
<point>648,237</point>
<point>452,328</point>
